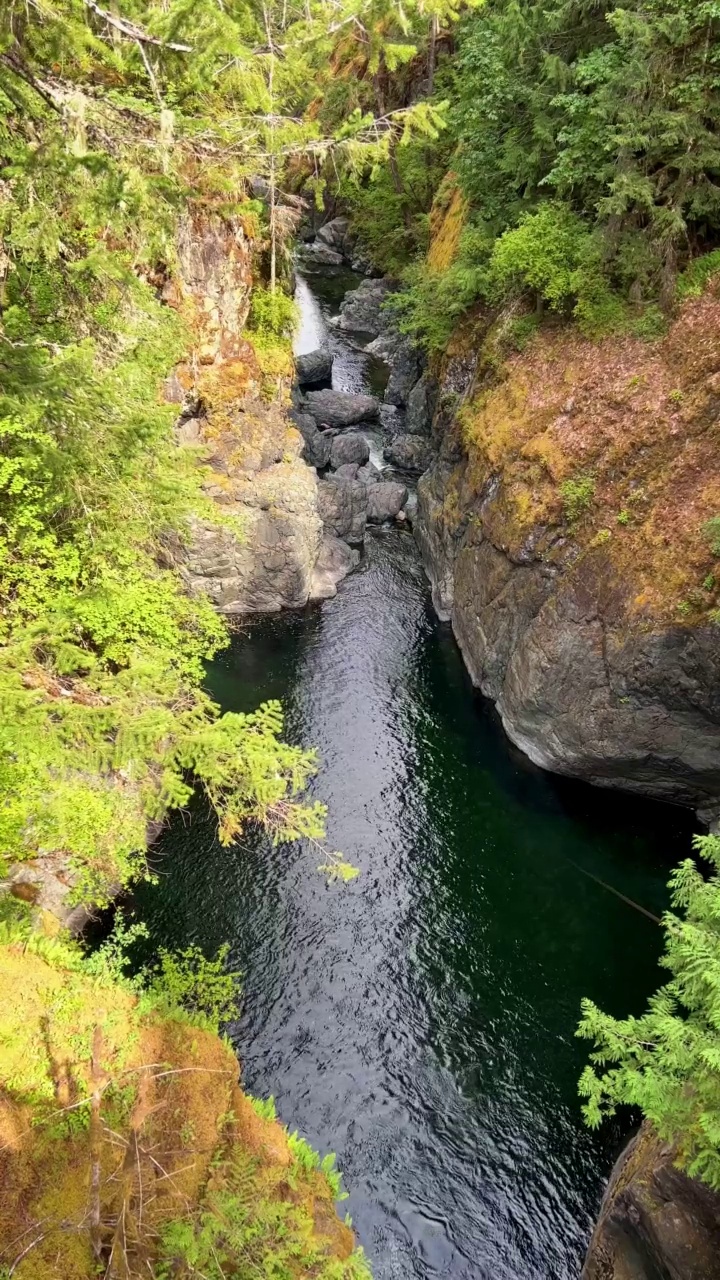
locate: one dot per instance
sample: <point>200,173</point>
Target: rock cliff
<point>654,1223</point>
<point>561,525</point>
<point>270,554</point>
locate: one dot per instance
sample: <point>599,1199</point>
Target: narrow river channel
<point>420,1021</point>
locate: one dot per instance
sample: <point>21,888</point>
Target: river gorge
<point>419,1021</point>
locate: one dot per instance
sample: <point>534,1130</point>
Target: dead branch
<point>14,65</point>
<point>133,31</point>
<point>96,1144</point>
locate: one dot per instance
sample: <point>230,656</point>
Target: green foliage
<point>389,206</point>
<point>553,253</point>
<point>711,529</point>
<point>694,280</point>
<point>264,1107</point>
<point>101,650</point>
<point>521,331</point>
<point>577,495</point>
<point>272,314</point>
<point>306,1159</point>
<point>652,323</point>
<point>245,1231</point>
<point>667,1061</point>
<point>336,868</point>
<point>615,112</point>
<point>110,960</point>
<point>188,981</point>
<point>431,302</point>
<point>247,1234</point>
<point>587,147</point>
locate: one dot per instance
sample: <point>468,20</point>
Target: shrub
<point>432,302</point>
<point>272,313</point>
<point>187,980</point>
<point>554,253</point>
<point>694,280</point>
<point>577,496</point>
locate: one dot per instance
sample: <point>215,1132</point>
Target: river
<point>419,1021</point>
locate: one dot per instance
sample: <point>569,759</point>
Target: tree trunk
<point>432,55</point>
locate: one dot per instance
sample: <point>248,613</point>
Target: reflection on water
<point>419,1021</point>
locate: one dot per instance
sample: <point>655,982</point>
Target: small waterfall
<point>311,331</point>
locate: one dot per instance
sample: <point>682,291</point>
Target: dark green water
<point>419,1022</point>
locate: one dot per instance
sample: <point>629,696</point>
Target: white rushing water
<point>311,329</point>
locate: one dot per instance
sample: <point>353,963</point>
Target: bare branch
<point>15,66</point>
<point>133,31</point>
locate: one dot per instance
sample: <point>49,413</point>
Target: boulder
<point>350,447</point>
<point>335,561</point>
<point>386,500</point>
<point>348,471</point>
<point>369,474</point>
<point>411,507</point>
<point>316,449</point>
<point>421,403</point>
<point>305,423</point>
<point>342,507</point>
<point>188,431</point>
<point>319,259</point>
<point>341,408</point>
<point>406,366</point>
<point>363,263</point>
<point>409,452</point>
<point>274,495</point>
<point>386,345</point>
<point>314,367</point>
<point>655,1223</point>
<point>362,308</point>
<point>336,235</point>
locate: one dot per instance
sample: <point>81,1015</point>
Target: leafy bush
<point>546,105</point>
<point>102,651</point>
<point>667,1061</point>
<point>187,980</point>
<point>272,314</point>
<point>389,211</point>
<point>522,330</point>
<point>543,252</point>
<point>696,277</point>
<point>577,496</point>
<point>553,253</point>
<point>247,1227</point>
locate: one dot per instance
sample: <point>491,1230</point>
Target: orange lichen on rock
<point>639,423</point>
<point>81,1183</point>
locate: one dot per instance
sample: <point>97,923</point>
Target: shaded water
<point>419,1021</point>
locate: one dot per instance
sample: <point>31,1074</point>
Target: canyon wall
<point>561,525</point>
<point>233,403</point>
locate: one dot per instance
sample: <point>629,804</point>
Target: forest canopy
<point>585,141</point>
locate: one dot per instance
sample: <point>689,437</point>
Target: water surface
<point>419,1022</point>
